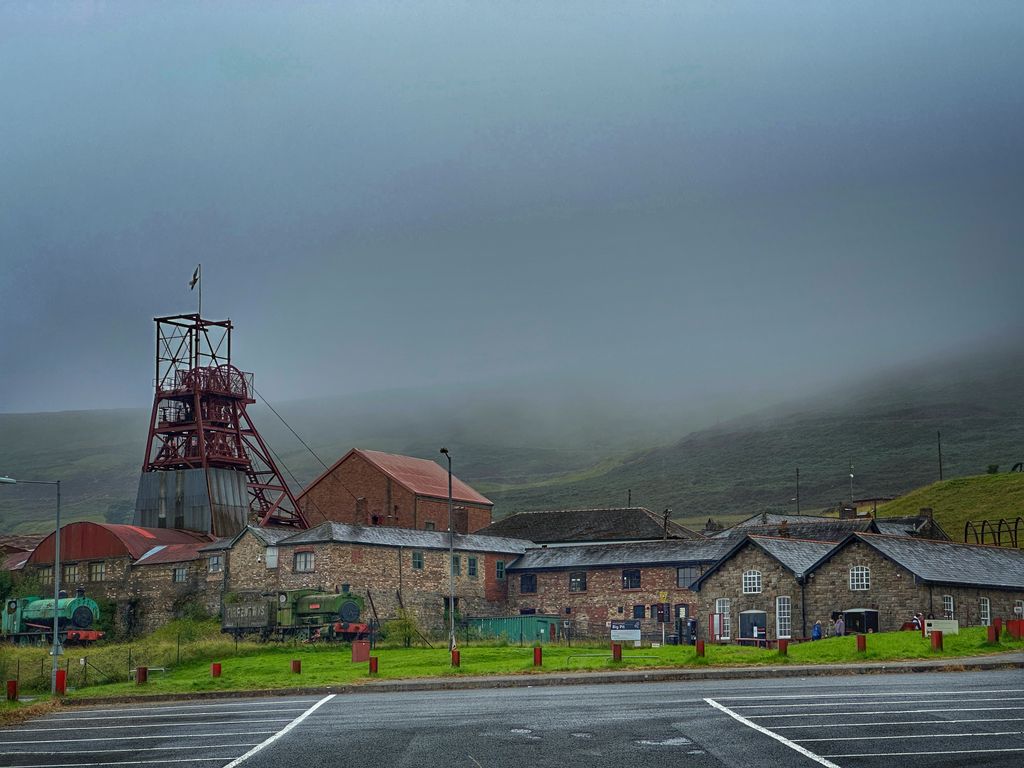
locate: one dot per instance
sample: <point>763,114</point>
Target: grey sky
<point>692,197</point>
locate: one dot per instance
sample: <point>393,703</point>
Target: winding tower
<point>206,466</point>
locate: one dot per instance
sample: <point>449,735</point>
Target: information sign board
<point>626,630</point>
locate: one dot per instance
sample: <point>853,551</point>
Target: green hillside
<point>955,502</point>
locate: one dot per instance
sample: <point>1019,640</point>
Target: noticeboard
<point>945,626</point>
<point>626,630</point>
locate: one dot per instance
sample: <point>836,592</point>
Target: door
<point>752,626</point>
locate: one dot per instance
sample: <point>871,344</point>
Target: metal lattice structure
<point>1002,532</point>
<point>200,422</point>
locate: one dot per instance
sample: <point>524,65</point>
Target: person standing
<point>816,631</point>
<point>840,628</point>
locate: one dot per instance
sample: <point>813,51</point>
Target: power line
<point>289,426</point>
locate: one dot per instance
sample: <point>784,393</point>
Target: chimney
<point>847,512</point>
<point>926,512</point>
<point>784,529</point>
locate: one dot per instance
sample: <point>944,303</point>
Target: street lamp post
<point>451,559</point>
<point>55,650</point>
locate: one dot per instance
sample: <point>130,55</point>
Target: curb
<point>971,664</point>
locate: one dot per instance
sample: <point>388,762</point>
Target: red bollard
<point>616,651</point>
<point>12,690</point>
<point>456,657</point>
<point>62,681</point>
<point>936,640</point>
<point>297,666</point>
<point>141,675</point>
<point>1016,628</point>
<point>700,647</point>
<point>862,643</point>
<point>998,621</point>
<point>538,657</point>
<point>993,636</point>
<point>215,669</point>
<point>783,647</point>
<point>373,665</point>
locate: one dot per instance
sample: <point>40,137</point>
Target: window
<point>528,583</point>
<point>97,571</point>
<point>751,582</point>
<point>631,578</point>
<point>722,606</point>
<point>578,581</point>
<point>429,525</point>
<point>179,575</point>
<point>985,611</point>
<point>304,562</point>
<point>214,564</point>
<point>499,570</point>
<point>639,611</point>
<point>271,557</point>
<point>860,578</point>
<point>686,575</point>
<point>417,561</point>
<point>783,617</point>
<point>456,565</point>
<point>1018,609</point>
<point>947,606</point>
<point>471,567</point>
<point>70,573</point>
<point>46,575</point>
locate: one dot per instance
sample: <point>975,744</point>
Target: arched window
<point>751,582</point>
<point>860,578</point>
<point>985,611</point>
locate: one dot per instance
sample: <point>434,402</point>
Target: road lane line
<point>207,705</point>
<point>890,712</point>
<point>178,748</point>
<point>148,725</point>
<point>267,742</point>
<point>815,704</point>
<point>889,693</point>
<point>121,762</point>
<point>937,752</point>
<point>180,714</point>
<point>915,736</point>
<point>137,738</point>
<point>760,729</point>
<point>904,722</point>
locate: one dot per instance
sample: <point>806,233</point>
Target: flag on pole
<point>194,280</point>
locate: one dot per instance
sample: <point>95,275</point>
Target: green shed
<point>535,628</point>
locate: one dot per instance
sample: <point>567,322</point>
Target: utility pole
<point>938,436</point>
<point>451,558</point>
<point>629,498</point>
<point>851,483</point>
<point>798,490</point>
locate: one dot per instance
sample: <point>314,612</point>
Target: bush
<point>404,628</point>
<point>993,469</point>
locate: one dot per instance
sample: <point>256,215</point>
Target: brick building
<point>591,585</point>
<point>374,488</point>
<point>589,526</point>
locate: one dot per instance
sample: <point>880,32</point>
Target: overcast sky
<point>697,197</point>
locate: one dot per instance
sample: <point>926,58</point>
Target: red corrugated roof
<point>87,541</point>
<point>421,476</point>
<point>173,553</point>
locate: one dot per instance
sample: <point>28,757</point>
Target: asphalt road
<point>947,719</point>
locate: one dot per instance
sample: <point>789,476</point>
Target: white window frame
<point>948,606</point>
<point>310,556</point>
<point>1021,604</point>
<point>751,582</point>
<point>271,557</point>
<point>98,569</point>
<point>985,611</point>
<point>179,575</point>
<point>215,564</point>
<point>723,605</point>
<point>783,617</point>
<point>417,560</point>
<point>860,578</point>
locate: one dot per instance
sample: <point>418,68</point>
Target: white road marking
<point>889,693</point>
<point>889,712</point>
<point>937,752</point>
<point>206,705</point>
<point>905,722</point>
<point>180,714</point>
<point>816,704</point>
<point>781,739</point>
<point>916,736</point>
<point>267,742</point>
<point>138,738</point>
<point>129,749</point>
<point>122,762</point>
<point>148,725</point>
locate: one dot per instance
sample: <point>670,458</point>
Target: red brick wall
<point>337,497</point>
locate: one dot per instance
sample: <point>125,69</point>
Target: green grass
<point>259,666</point>
<point>955,502</point>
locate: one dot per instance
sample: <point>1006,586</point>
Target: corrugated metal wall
<point>180,499</point>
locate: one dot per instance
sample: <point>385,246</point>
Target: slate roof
<point>774,519</point>
<point>424,477</point>
<point>804,527</point>
<point>387,536</point>
<point>20,542</point>
<point>912,525</point>
<point>269,535</point>
<point>800,556</point>
<point>586,525</point>
<point>15,561</point>
<point>622,554</point>
<point>943,562</point>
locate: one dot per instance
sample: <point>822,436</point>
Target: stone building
<point>589,526</point>
<point>592,585</point>
<point>374,488</point>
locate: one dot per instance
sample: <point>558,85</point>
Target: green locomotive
<point>310,614</point>
<point>30,619</point>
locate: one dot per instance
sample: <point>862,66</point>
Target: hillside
<point>955,502</point>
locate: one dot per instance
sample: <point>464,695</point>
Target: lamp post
<point>55,650</point>
<point>451,559</point>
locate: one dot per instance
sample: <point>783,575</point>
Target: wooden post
<point>456,657</point>
<point>538,657</point>
<point>373,665</point>
<point>616,651</point>
<point>783,647</point>
<point>862,643</point>
<point>141,675</point>
<point>215,669</point>
<point>700,648</point>
<point>297,666</point>
<point>12,690</point>
<point>993,636</point>
<point>936,640</point>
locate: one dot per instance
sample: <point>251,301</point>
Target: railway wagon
<point>30,619</point>
<point>309,614</point>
